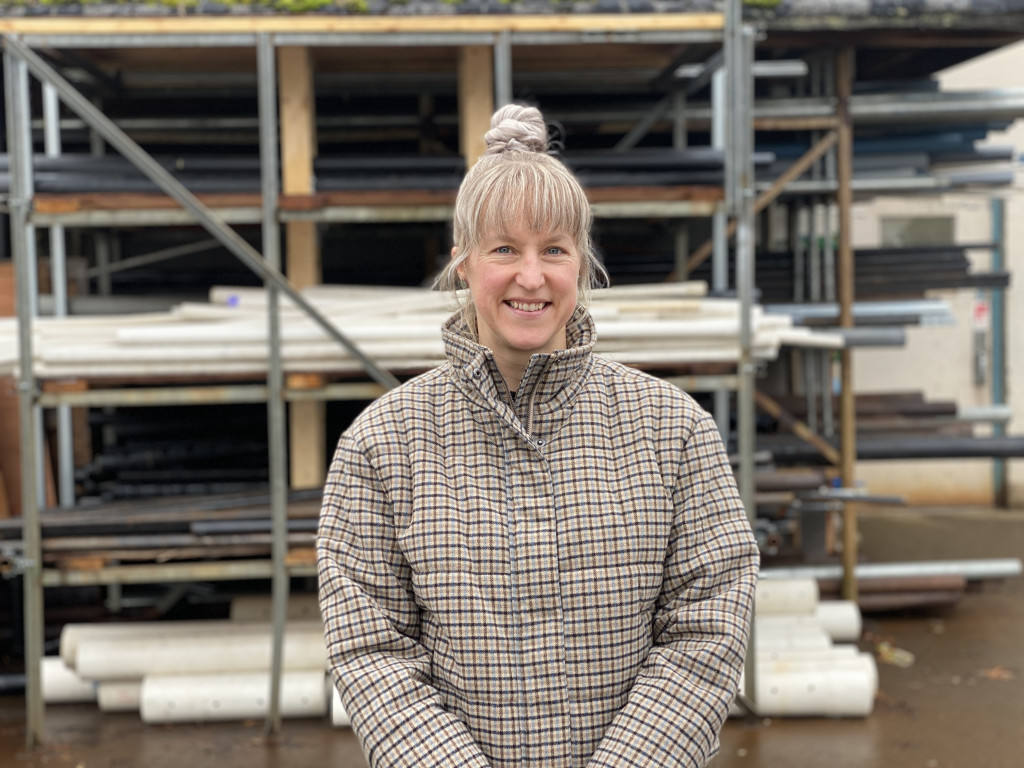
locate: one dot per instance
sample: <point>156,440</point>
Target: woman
<point>531,556</point>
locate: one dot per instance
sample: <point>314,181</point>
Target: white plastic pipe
<point>119,695</point>
<point>770,637</point>
<point>72,634</point>
<point>200,698</point>
<point>833,689</point>
<point>827,688</point>
<point>841,619</point>
<point>99,659</point>
<point>61,685</point>
<point>833,653</point>
<point>793,596</point>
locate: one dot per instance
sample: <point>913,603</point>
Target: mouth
<point>527,306</point>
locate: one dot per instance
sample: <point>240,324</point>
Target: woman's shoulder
<point>412,399</point>
<point>644,395</point>
<point>613,373</point>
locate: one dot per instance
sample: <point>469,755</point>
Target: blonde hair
<point>517,183</point>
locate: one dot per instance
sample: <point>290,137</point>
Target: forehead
<point>522,232</point>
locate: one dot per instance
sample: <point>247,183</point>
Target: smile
<point>527,306</point>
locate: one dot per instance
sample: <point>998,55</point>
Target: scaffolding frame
<point>20,60</point>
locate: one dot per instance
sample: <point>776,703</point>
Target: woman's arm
<point>681,697</point>
<point>372,627</point>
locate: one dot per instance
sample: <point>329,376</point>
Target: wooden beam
<point>298,119</point>
<point>786,420</point>
<point>306,428</point>
<point>577,22</point>
<point>476,99</point>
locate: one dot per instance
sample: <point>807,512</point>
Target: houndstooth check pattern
<point>558,581</point>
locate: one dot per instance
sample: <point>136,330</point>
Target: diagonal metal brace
<point>230,239</point>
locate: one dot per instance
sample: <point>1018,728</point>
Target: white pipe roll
<point>120,695</point>
<point>841,619</point>
<point>61,685</point>
<point>798,596</point>
<point>843,688</point>
<point>791,637</point>
<point>833,653</point>
<point>240,696</point>
<point>73,634</point>
<point>304,648</point>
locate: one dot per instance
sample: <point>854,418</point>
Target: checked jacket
<point>558,580</point>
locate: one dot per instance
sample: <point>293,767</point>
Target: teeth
<point>526,307</point>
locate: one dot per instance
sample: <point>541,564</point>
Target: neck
<point>512,372</point>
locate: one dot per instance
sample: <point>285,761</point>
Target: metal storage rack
<point>493,34</point>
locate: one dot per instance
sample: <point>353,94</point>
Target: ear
<point>459,270</point>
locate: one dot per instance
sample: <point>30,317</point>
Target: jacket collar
<point>549,377</point>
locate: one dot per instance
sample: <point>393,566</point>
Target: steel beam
<point>276,429</point>
<point>18,111</point>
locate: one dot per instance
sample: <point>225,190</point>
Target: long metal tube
<point>172,187</point>
<point>23,250</point>
<point>995,568</point>
<point>1000,483</point>
<point>502,69</point>
<point>276,429</point>
<point>738,54</point>
<point>59,283</point>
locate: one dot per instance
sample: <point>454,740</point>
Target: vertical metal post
<point>740,197</point>
<point>23,250</point>
<point>720,232</point>
<point>502,69</point>
<point>797,220</point>
<point>680,134</point>
<point>1000,484</point>
<point>59,283</point>
<point>267,84</point>
<point>739,64</point>
<point>844,284</point>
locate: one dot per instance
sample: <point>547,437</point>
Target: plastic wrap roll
<point>200,698</point>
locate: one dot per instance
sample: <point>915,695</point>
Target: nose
<point>531,271</point>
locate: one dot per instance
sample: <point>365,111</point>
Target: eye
<point>503,249</point>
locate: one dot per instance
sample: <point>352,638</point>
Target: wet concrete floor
<point>960,704</point>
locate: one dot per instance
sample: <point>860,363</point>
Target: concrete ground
<point>960,704</point>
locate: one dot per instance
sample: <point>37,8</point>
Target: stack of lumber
<point>654,325</point>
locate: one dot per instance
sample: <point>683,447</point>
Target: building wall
<point>938,360</point>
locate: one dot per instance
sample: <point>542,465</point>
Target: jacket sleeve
<point>681,697</point>
<point>371,624</point>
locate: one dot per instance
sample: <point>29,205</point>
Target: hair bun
<point>515,128</point>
